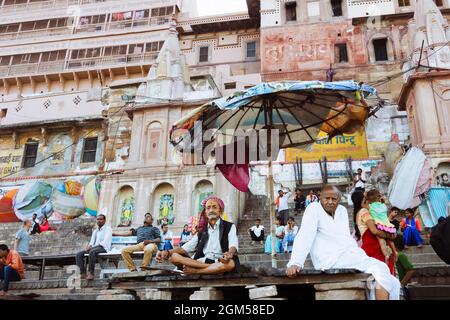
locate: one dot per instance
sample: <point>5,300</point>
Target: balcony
<point>111,62</point>
<point>89,28</point>
<point>46,5</point>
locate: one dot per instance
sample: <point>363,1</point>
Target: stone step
<point>432,292</point>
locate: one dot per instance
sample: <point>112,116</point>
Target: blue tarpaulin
<point>435,206</point>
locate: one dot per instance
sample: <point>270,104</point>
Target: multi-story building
<point>362,40</point>
<point>425,92</point>
<point>222,53</point>
<point>55,75</point>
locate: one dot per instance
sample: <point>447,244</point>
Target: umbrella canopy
<point>300,110</point>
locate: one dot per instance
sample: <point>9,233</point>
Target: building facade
<point>424,95</point>
<point>72,72</point>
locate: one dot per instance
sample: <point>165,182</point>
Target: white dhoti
<point>356,258</point>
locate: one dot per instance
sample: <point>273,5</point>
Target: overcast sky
<point>212,7</point>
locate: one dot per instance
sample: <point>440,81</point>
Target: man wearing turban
<point>214,247</point>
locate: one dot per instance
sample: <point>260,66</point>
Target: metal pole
<point>272,214</point>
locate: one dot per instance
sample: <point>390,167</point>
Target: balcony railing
<point>77,64</point>
<point>50,4</point>
<point>90,28</point>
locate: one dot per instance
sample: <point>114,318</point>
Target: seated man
<point>148,238</point>
<point>100,243</point>
<point>257,232</point>
<point>11,267</point>
<point>35,227</point>
<point>166,238</point>
<point>325,234</point>
<point>215,248</point>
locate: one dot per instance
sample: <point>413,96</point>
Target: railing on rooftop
<point>89,28</point>
<point>77,64</point>
<point>50,4</point>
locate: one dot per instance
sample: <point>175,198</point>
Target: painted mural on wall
<point>126,211</point>
<point>7,195</point>
<point>166,209</point>
<point>56,199</point>
<point>33,198</point>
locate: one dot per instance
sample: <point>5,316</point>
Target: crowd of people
<point>375,247</point>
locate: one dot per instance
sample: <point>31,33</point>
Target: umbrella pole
<point>272,213</point>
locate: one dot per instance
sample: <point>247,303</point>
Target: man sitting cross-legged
<point>148,238</point>
<point>215,247</point>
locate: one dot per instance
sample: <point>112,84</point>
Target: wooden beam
<point>33,84</point>
<point>6,86</point>
<point>142,71</point>
<point>127,74</point>
<point>91,79</point>
<point>234,282</point>
<point>77,80</point>
<point>47,82</point>
<point>62,80</point>
<point>103,78</point>
<point>19,84</point>
<point>111,74</point>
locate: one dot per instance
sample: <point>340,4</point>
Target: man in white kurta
<point>331,246</point>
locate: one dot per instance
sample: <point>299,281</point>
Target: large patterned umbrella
<point>299,110</point>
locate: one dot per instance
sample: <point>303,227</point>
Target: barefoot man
<point>214,248</point>
<point>325,235</point>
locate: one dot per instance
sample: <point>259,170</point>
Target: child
<point>379,214</point>
<point>411,229</point>
<point>405,269</point>
<point>290,231</point>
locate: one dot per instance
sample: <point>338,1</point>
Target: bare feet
<point>83,276</point>
<point>189,270</point>
<point>2,293</point>
<point>261,242</point>
<point>90,276</point>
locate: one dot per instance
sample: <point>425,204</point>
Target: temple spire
<point>431,29</point>
<point>168,78</point>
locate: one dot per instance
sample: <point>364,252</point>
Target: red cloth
<point>236,171</point>
<point>237,174</point>
<point>372,248</point>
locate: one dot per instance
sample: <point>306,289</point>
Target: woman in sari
<point>279,235</point>
<point>366,230</point>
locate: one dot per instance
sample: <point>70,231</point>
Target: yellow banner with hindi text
<point>336,148</point>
